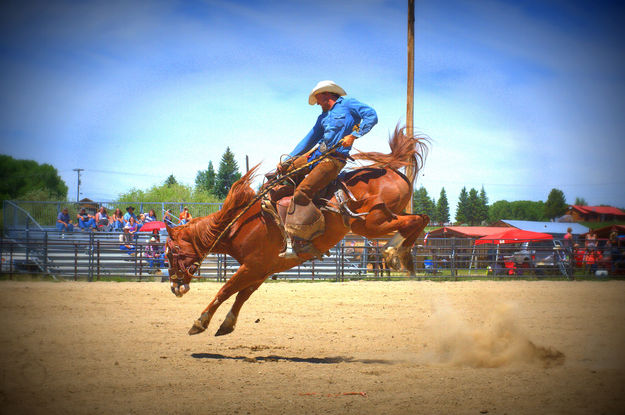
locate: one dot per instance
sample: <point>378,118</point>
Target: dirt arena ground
<point>476,347</point>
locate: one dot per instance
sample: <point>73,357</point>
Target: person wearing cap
<point>85,220</point>
<point>130,212</point>
<point>342,120</point>
<point>126,241</point>
<point>154,253</point>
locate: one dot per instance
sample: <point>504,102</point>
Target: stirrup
<point>289,252</point>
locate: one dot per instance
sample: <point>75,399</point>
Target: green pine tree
<point>473,208</point>
<point>462,208</point>
<point>170,181</point>
<point>205,179</point>
<point>422,204</point>
<point>483,215</point>
<point>227,174</point>
<point>442,208</point>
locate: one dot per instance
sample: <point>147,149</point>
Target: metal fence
<point>99,255</point>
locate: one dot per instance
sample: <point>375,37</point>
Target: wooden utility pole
<point>78,184</point>
<point>410,88</point>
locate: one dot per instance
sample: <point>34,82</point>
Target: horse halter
<point>183,274</point>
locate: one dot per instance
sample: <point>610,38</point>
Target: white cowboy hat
<point>325,86</point>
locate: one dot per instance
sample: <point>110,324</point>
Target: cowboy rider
<point>342,118</point>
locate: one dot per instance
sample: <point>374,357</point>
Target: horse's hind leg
<point>231,318</point>
<point>379,223</point>
<point>239,281</point>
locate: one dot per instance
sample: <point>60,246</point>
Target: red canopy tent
<point>512,236</point>
<point>151,226</point>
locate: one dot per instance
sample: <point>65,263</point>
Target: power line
<point>124,173</point>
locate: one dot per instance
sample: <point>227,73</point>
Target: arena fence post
<point>75,261</point>
<point>98,263</point>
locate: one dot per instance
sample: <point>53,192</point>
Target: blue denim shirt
<point>333,125</point>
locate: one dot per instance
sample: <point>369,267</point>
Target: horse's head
<point>183,259</point>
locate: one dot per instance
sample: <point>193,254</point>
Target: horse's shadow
<point>276,358</point>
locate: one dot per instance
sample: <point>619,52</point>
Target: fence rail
<point>98,255</point>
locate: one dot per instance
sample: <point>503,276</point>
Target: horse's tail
<point>406,151</point>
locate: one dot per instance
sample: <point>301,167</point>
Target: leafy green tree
<point>555,205</point>
<point>499,210</point>
<point>442,208</point>
<point>168,193</point>
<point>580,201</point>
<point>170,181</point>
<point>517,210</point>
<point>205,179</point>
<point>462,207</point>
<point>422,204</point>
<point>27,177</point>
<point>227,174</point>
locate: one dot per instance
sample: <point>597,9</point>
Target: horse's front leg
<point>231,318</point>
<point>239,281</point>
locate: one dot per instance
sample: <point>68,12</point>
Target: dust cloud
<point>488,341</point>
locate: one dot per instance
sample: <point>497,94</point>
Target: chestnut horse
<point>255,240</point>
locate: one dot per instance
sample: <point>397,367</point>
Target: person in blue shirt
<point>63,222</point>
<point>130,213</point>
<point>342,118</point>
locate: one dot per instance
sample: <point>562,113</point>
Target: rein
<point>270,185</point>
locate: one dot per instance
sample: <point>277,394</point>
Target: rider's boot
<point>304,222</point>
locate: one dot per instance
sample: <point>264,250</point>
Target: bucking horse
<point>378,195</point>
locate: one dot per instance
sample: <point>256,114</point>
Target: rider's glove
<point>348,140</point>
<point>283,166</point>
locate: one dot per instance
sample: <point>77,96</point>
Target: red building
<point>595,213</point>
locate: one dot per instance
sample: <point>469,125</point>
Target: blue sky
<point>518,97</point>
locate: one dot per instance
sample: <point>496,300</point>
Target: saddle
<point>276,203</point>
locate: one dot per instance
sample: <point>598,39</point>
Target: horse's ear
<point>169,230</point>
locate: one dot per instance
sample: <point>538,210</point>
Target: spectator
<point>591,241</point>
<point>132,227</point>
<point>150,217</point>
<point>568,240</point>
<point>118,220</point>
<point>154,253</point>
<point>592,259</point>
<point>167,218</point>
<point>579,256</point>
<point>85,220</point>
<point>130,213</point>
<point>102,220</point>
<point>63,222</point>
<point>126,241</point>
<point>185,216</point>
<point>140,221</point>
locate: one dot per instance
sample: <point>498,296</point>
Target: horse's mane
<point>207,229</point>
<point>406,150</point>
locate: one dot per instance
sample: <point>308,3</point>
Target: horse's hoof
<point>224,330</point>
<point>196,328</point>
